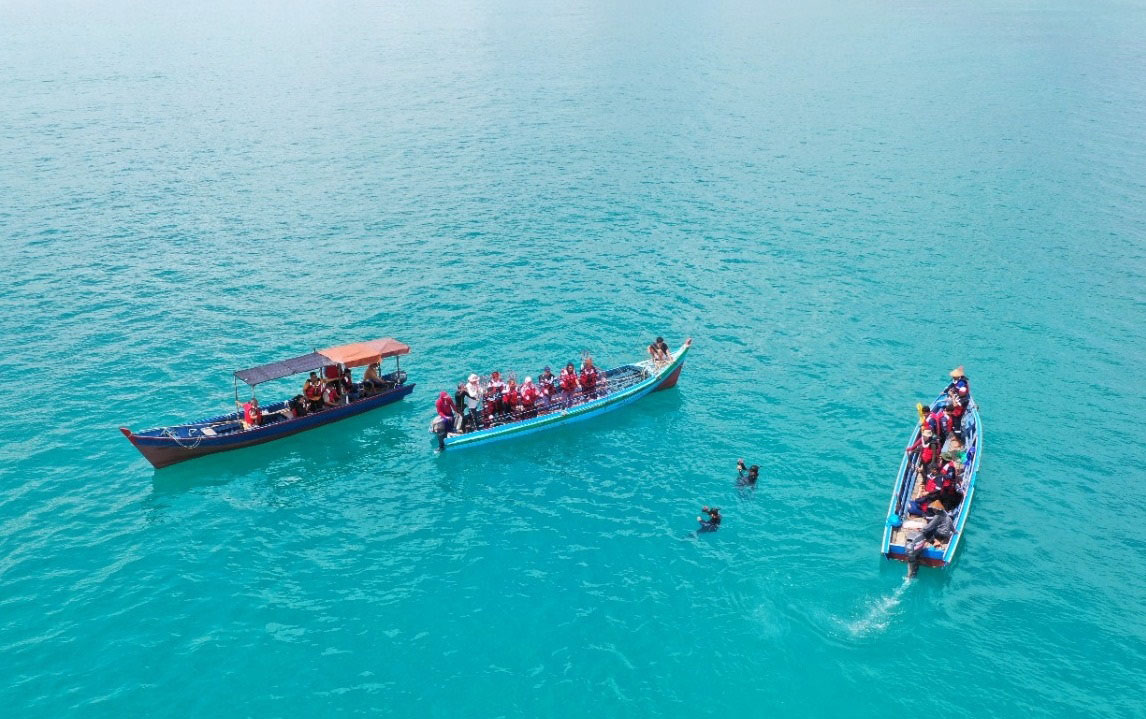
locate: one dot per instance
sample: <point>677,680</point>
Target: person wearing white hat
<point>473,401</point>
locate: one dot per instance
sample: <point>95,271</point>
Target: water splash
<point>879,613</point>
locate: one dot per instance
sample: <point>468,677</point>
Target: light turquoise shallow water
<point>838,201</point>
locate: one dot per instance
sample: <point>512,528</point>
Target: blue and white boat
<point>622,385</point>
<point>900,526</point>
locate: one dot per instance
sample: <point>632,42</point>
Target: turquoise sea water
<point>839,201</point>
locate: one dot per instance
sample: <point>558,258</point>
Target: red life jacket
<point>589,377</point>
<point>445,407</point>
<point>568,380</point>
<point>512,396</point>
<point>529,395</point>
<point>312,391</point>
<point>252,414</point>
<point>939,423</point>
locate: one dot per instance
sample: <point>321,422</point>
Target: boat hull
<point>163,450</point>
<point>661,378</point>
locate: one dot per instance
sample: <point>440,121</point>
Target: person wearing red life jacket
<point>332,396</point>
<point>512,397</point>
<point>312,392</point>
<point>569,382</point>
<point>940,424</point>
<point>590,377</point>
<point>494,393</point>
<point>445,420</point>
<point>955,411</point>
<point>252,414</point>
<point>529,396</point>
<point>928,450</point>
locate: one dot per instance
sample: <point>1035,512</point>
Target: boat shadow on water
<point>345,448</point>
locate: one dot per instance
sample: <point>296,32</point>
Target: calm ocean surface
<point>839,201</point>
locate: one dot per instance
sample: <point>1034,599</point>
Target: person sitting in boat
<point>473,401</point>
<point>312,392</point>
<point>746,476</point>
<point>372,379</point>
<point>659,351</point>
<point>928,449</point>
<point>712,522</point>
<point>511,398</point>
<point>960,386</point>
<point>589,379</point>
<point>938,530</point>
<point>955,451</point>
<point>332,395</point>
<point>252,414</point>
<point>947,495</point>
<point>348,387</point>
<point>445,421</point>
<point>569,384</point>
<point>529,397</point>
<point>939,422</point>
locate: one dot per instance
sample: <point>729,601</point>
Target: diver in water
<point>746,476</point>
<point>713,522</point>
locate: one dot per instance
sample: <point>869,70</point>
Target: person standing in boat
<point>529,397</point>
<point>589,379</point>
<point>569,384</point>
<point>546,385</point>
<point>494,394</point>
<point>473,401</point>
<point>460,404</point>
<point>445,422</point>
<point>511,398</point>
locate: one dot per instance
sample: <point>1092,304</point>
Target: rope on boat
<point>168,433</point>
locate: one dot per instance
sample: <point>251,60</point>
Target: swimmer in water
<point>746,476</point>
<point>713,522</point>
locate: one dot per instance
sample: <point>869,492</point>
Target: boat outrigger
<point>163,446</point>
<point>620,386</point>
<point>904,536</point>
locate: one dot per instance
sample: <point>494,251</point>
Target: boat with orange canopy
<point>252,424</point>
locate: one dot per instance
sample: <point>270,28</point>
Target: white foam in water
<point>879,613</point>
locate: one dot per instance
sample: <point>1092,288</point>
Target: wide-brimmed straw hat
<point>957,372</point>
<point>473,378</point>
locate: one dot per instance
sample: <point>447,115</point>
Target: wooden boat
<point>622,385</point>
<point>163,446</point>
<point>900,526</point>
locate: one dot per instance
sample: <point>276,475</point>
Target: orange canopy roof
<point>363,353</point>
